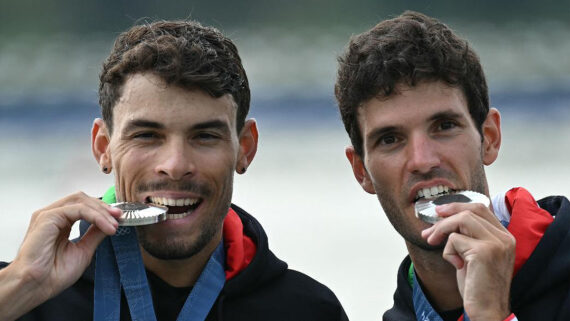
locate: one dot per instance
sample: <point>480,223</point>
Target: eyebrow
<point>447,114</point>
<point>145,123</point>
<point>141,123</point>
<point>212,124</point>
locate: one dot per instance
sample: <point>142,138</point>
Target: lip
<point>421,185</point>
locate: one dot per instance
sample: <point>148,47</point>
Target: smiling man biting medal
<point>414,101</point>
<point>174,99</point>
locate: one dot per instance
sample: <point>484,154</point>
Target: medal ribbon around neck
<point>119,266</point>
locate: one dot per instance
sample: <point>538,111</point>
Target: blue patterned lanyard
<point>119,265</point>
<point>424,310</point>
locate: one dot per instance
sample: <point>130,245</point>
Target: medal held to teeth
<point>425,209</point>
<point>136,213</point>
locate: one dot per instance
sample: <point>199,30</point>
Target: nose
<point>176,160</point>
<point>422,154</point>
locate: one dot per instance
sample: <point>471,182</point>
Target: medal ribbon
<point>424,310</point>
<point>119,265</point>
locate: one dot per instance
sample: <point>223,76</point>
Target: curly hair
<point>183,53</point>
<point>408,49</point>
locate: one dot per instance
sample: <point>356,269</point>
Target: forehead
<point>146,95</point>
<point>410,105</point>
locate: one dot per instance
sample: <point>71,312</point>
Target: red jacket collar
<point>528,223</point>
<point>240,249</point>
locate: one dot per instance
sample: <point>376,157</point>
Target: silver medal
<point>136,213</point>
<point>425,208</point>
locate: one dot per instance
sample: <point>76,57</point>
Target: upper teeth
<point>429,192</point>
<point>173,202</point>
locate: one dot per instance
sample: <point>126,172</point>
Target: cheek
<point>470,157</point>
<point>130,157</point>
<point>218,168</point>
<point>130,167</point>
<point>382,170</point>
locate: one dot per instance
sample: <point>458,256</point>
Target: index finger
<point>465,223</point>
<point>80,197</point>
<point>478,209</point>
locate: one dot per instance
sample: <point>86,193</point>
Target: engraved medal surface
<point>136,213</point>
<point>425,208</point>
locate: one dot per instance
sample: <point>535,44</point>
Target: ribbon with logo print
<point>119,266</point>
<point>424,310</point>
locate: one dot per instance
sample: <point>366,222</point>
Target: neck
<point>438,278</point>
<point>181,273</point>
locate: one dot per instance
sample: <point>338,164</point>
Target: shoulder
<point>267,287</point>
<point>303,286</point>
<point>310,293</point>
<point>291,295</point>
<point>288,295</point>
<point>555,205</point>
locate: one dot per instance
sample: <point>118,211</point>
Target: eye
<point>145,135</point>
<point>387,140</point>
<point>447,125</point>
<point>206,136</point>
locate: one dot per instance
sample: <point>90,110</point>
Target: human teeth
<point>434,190</point>
<point>430,192</point>
<point>173,202</point>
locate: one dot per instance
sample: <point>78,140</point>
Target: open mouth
<point>433,192</point>
<point>177,208</point>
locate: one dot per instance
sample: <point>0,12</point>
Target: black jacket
<point>266,290</point>
<point>541,288</point>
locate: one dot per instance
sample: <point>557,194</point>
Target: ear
<point>491,136</point>
<point>359,170</point>
<point>100,139</point>
<point>247,145</point>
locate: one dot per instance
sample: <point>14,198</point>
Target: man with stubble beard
<point>174,99</point>
<point>414,101</point>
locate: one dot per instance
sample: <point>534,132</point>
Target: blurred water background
<point>300,186</point>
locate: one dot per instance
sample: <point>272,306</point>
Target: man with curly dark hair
<point>413,98</point>
<point>174,99</point>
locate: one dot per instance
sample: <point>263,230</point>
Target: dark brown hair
<point>406,50</point>
<point>183,53</point>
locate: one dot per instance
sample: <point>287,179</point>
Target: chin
<point>178,247</point>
